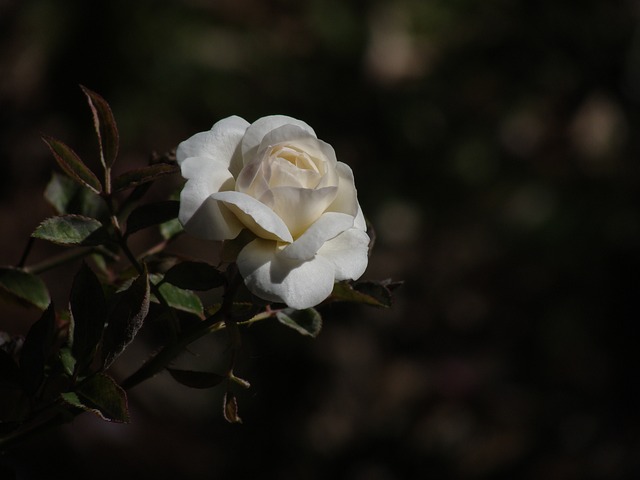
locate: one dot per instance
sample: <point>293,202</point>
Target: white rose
<point>275,178</point>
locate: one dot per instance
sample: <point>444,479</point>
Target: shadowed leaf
<point>178,298</point>
<point>36,349</point>
<point>306,322</point>
<point>170,229</point>
<point>194,276</point>
<point>193,379</point>
<point>72,165</point>
<point>370,293</point>
<point>152,214</point>
<point>105,125</point>
<point>88,314</point>
<point>9,371</point>
<point>101,395</point>
<point>136,177</point>
<point>126,314</point>
<point>67,360</point>
<point>71,230</point>
<point>66,196</point>
<point>24,288</point>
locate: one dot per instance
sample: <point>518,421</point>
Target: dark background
<point>494,145</point>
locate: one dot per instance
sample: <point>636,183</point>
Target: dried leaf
<point>100,394</point>
<point>138,176</point>
<point>126,314</point>
<point>105,125</point>
<point>72,165</point>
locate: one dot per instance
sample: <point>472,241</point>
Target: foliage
<point>63,366</point>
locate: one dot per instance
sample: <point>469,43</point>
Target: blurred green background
<point>495,151</point>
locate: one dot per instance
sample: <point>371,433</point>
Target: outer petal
<point>328,226</point>
<point>200,215</point>
<point>348,253</point>
<point>256,216</point>
<point>258,129</point>
<point>360,223</point>
<point>275,278</point>
<point>220,143</point>
<point>346,200</point>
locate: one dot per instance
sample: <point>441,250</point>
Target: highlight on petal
<point>201,215</point>
<point>346,200</point>
<point>299,138</point>
<point>221,143</point>
<point>261,127</point>
<point>275,278</point>
<point>328,226</point>
<point>299,207</point>
<point>256,216</point>
<point>348,253</point>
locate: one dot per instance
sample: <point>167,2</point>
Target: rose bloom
<point>275,178</point>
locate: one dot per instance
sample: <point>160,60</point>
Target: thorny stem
<point>219,320</point>
<point>65,257</point>
<point>122,242</point>
<point>49,416</point>
<point>25,254</point>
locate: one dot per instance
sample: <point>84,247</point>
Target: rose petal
<point>300,138</point>
<point>348,253</point>
<point>299,207</point>
<point>258,129</point>
<point>346,200</point>
<point>256,216</point>
<point>286,174</point>
<point>200,215</point>
<point>221,143</point>
<point>328,226</point>
<point>278,279</point>
<point>360,223</point>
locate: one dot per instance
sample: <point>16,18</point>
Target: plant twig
<point>64,257</point>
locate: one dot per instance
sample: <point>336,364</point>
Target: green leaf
<point>152,214</point>
<point>66,196</point>
<point>370,293</point>
<point>101,395</point>
<point>72,165</point>
<point>126,314</point>
<point>171,228</point>
<point>230,408</point>
<point>178,298</point>
<point>193,379</point>
<point>105,125</point>
<point>67,360</point>
<point>133,178</point>
<point>24,288</point>
<point>306,322</point>
<point>36,349</point>
<point>71,230</point>
<point>88,315</point>
<point>194,276</point>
